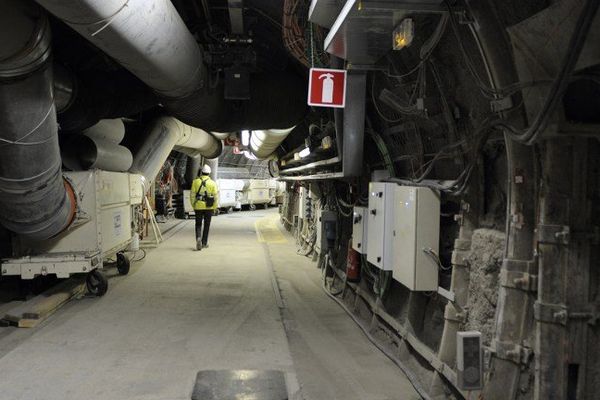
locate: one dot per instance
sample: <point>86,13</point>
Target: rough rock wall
<point>485,260</point>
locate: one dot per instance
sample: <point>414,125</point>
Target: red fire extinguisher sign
<point>327,87</point>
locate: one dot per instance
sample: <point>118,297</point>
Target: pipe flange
<point>32,56</point>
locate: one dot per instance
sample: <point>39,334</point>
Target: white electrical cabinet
<point>416,234</point>
<point>360,232</point>
<point>402,225</point>
<point>380,224</point>
<point>302,202</point>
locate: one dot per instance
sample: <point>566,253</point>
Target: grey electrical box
<point>380,224</point>
<point>469,360</point>
<point>326,230</point>
<point>359,229</point>
<point>416,232</point>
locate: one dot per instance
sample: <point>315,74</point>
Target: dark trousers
<point>206,216</point>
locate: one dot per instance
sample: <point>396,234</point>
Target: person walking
<point>203,197</point>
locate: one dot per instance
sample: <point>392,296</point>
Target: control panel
<point>359,229</point>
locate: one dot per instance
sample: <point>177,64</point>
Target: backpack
<point>209,200</point>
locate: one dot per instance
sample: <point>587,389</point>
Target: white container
<point>102,227</point>
<point>227,198</point>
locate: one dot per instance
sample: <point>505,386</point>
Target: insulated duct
<point>35,201</point>
<point>148,38</point>
<point>278,101</point>
<point>89,97</point>
<point>164,135</point>
<point>264,143</point>
<point>98,147</point>
<point>220,135</point>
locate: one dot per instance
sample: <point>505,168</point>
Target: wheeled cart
<point>104,226</point>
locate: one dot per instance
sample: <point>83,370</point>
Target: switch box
<point>304,203</point>
<point>380,224</point>
<point>416,235</point>
<point>326,230</point>
<point>359,229</point>
<point>469,360</point>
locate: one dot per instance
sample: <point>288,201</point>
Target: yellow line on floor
<point>267,230</point>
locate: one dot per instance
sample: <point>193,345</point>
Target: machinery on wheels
<point>104,227</point>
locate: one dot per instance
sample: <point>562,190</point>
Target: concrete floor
<point>182,311</point>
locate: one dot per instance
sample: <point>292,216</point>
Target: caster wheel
<point>230,210</point>
<point>96,283</point>
<point>252,207</point>
<point>185,216</point>
<point>123,264</point>
<point>265,206</point>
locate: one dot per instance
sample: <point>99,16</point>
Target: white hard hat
<point>206,169</point>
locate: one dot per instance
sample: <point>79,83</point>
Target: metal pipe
<point>263,143</point>
<point>111,130</point>
<point>35,201</point>
<point>354,124</point>
<point>164,134</point>
<point>196,142</point>
<point>147,37</point>
<point>80,153</point>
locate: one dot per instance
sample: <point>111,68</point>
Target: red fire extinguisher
<point>352,264</point>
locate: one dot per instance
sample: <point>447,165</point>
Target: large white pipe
<point>221,135</point>
<point>165,134</point>
<point>264,143</point>
<point>196,142</point>
<point>111,130</point>
<point>148,37</point>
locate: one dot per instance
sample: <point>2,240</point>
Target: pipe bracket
<point>518,280</point>
<point>553,234</point>
<point>551,313</point>
<point>460,258</point>
<point>559,313</point>
<point>452,314</point>
<point>513,352</point>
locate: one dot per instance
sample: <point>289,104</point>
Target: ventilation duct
<point>221,135</point>
<point>166,134</point>
<point>35,201</point>
<point>98,147</point>
<point>264,143</point>
<point>87,98</point>
<point>147,37</point>
<point>278,100</point>
<point>153,43</point>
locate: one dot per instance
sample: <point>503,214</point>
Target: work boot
<point>205,245</point>
<point>198,244</point>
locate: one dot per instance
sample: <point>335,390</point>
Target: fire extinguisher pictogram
<point>327,91</point>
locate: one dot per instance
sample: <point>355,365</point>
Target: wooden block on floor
<point>31,312</point>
